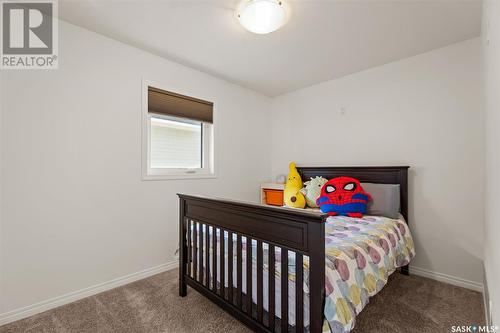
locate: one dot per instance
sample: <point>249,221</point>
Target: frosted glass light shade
<point>262,16</point>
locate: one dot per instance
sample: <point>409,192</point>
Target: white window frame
<point>208,140</point>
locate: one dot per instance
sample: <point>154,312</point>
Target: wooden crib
<point>301,232</point>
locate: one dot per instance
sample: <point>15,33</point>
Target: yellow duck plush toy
<point>292,195</point>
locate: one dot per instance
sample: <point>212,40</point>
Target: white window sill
<point>179,176</point>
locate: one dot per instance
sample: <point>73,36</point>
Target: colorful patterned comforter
<point>361,253</point>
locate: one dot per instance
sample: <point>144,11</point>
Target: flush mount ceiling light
<point>262,16</point>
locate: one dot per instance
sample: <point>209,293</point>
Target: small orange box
<point>274,197</point>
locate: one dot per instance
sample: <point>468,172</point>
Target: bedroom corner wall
<point>491,58</point>
<point>426,112</point>
<point>76,212</point>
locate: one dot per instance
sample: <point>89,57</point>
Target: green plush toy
<point>312,190</point>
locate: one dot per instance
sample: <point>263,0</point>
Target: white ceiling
<point>321,41</point>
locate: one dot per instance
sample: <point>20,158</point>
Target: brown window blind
<point>177,105</point>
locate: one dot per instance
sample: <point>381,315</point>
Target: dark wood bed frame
<point>292,230</point>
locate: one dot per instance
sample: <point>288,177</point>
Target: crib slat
<point>214,259</point>
<point>200,252</point>
<point>195,250</point>
<point>272,261</point>
<point>249,276</point>
<point>284,290</point>
<point>207,256</point>
<point>239,273</point>
<point>299,293</point>
<point>222,264</point>
<point>183,252</point>
<point>189,256</point>
<point>260,291</point>
<point>230,266</point>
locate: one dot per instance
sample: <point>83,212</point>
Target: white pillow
<point>385,199</point>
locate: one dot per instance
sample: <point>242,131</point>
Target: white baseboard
<point>456,281</point>
<point>33,309</point>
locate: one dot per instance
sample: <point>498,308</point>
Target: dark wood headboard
<point>366,174</point>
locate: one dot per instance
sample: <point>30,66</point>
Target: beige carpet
<point>406,304</point>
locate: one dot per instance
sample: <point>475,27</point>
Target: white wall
<point>76,212</point>
<point>491,53</point>
<point>1,201</point>
<point>425,112</point>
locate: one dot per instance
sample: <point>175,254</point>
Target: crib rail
<point>218,239</point>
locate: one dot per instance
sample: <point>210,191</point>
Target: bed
<point>223,240</point>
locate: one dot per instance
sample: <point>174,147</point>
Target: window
<point>175,144</point>
<point>178,135</point>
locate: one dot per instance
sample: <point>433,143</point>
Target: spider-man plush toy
<point>343,196</point>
